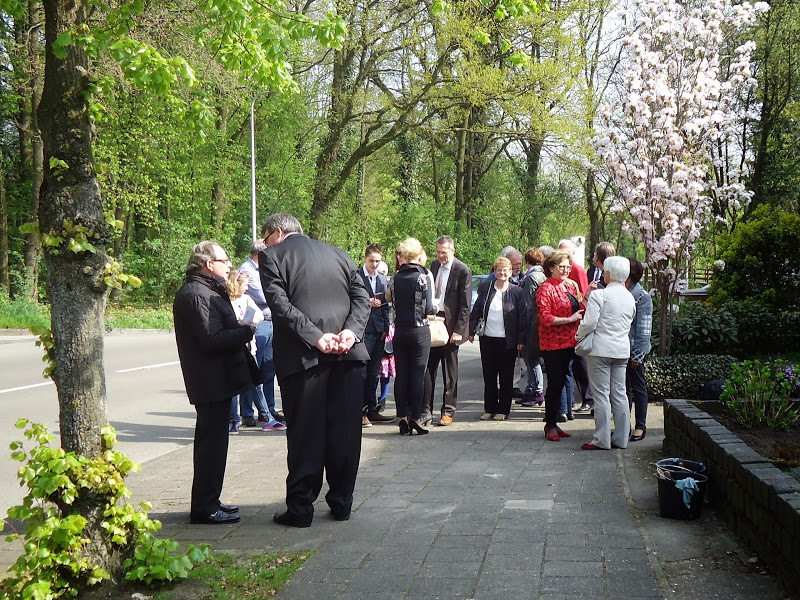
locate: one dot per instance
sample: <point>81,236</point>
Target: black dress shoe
<point>340,516</point>
<point>570,417</point>
<point>219,517</point>
<point>228,508</point>
<point>639,438</point>
<point>278,416</point>
<point>561,419</point>
<point>516,393</point>
<point>376,417</point>
<point>249,423</point>
<point>285,518</point>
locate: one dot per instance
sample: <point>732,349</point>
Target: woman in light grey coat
<point>609,314</point>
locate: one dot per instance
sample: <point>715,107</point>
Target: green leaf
<point>29,228</point>
<point>65,39</point>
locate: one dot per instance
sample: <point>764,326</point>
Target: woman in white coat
<point>609,314</point>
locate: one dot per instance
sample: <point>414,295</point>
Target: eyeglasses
<point>564,268</point>
<point>266,239</point>
<point>222,260</point>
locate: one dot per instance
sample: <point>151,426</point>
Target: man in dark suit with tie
<point>452,293</point>
<point>375,333</point>
<point>319,311</point>
<point>595,273</point>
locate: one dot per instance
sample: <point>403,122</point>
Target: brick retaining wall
<point>759,501</point>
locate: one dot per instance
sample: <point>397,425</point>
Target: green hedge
<point>682,376</point>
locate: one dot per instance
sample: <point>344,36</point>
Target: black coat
<point>312,288</point>
<point>515,312</point>
<point>212,345</point>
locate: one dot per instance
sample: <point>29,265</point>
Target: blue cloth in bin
<point>689,487</point>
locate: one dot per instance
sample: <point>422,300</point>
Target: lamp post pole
<point>253,162</point>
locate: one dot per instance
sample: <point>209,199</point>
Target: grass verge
<point>23,314</point>
<point>138,317</point>
<point>236,577</point>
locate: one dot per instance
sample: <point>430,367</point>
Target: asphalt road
<point>147,403</point>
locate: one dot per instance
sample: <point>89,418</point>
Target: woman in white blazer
<point>609,314</point>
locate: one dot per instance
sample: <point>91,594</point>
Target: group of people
<point>330,322</point>
<point>548,311</point>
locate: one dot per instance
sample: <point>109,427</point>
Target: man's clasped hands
<point>336,343</point>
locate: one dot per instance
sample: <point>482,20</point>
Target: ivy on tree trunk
<point>75,280</point>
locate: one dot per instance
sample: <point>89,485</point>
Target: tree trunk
<point>31,147</point>
<point>75,286</point>
<point>461,171</point>
<point>665,312</point>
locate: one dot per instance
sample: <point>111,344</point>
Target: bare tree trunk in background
<point>31,146</point>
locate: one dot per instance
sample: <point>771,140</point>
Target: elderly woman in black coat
<point>503,316</point>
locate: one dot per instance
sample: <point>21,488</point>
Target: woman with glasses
<point>559,307</point>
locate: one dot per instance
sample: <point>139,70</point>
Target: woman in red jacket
<point>558,302</point>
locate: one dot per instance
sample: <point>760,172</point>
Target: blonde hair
<point>236,281</point>
<point>501,262</point>
<point>410,249</point>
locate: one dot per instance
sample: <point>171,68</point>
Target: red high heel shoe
<point>552,434</point>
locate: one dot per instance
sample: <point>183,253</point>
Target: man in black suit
<point>216,365</point>
<point>595,273</point>
<point>319,310</point>
<point>375,333</point>
<point>452,293</point>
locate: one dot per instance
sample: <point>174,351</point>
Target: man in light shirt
<point>452,295</point>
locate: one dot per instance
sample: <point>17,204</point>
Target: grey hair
<point>546,250</point>
<point>202,253</point>
<point>285,221</point>
<point>567,244</point>
<point>256,247</point>
<point>510,251</point>
<point>445,239</point>
<point>618,268</point>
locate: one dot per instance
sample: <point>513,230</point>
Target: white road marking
<point>158,366</point>
<point>26,387</point>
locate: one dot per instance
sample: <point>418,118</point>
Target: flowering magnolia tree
<point>679,105</point>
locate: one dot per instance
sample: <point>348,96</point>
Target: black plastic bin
<point>670,498</point>
<point>666,463</point>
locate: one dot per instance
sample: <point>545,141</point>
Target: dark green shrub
<point>763,330</point>
<point>702,329</point>
<point>761,261</point>
<point>757,324</point>
<point>787,334</point>
<point>682,376</point>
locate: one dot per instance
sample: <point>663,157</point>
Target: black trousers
<point>447,356</point>
<point>322,406</point>
<point>557,364</point>
<point>497,362</point>
<point>412,346</point>
<point>210,455</point>
<point>580,372</point>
